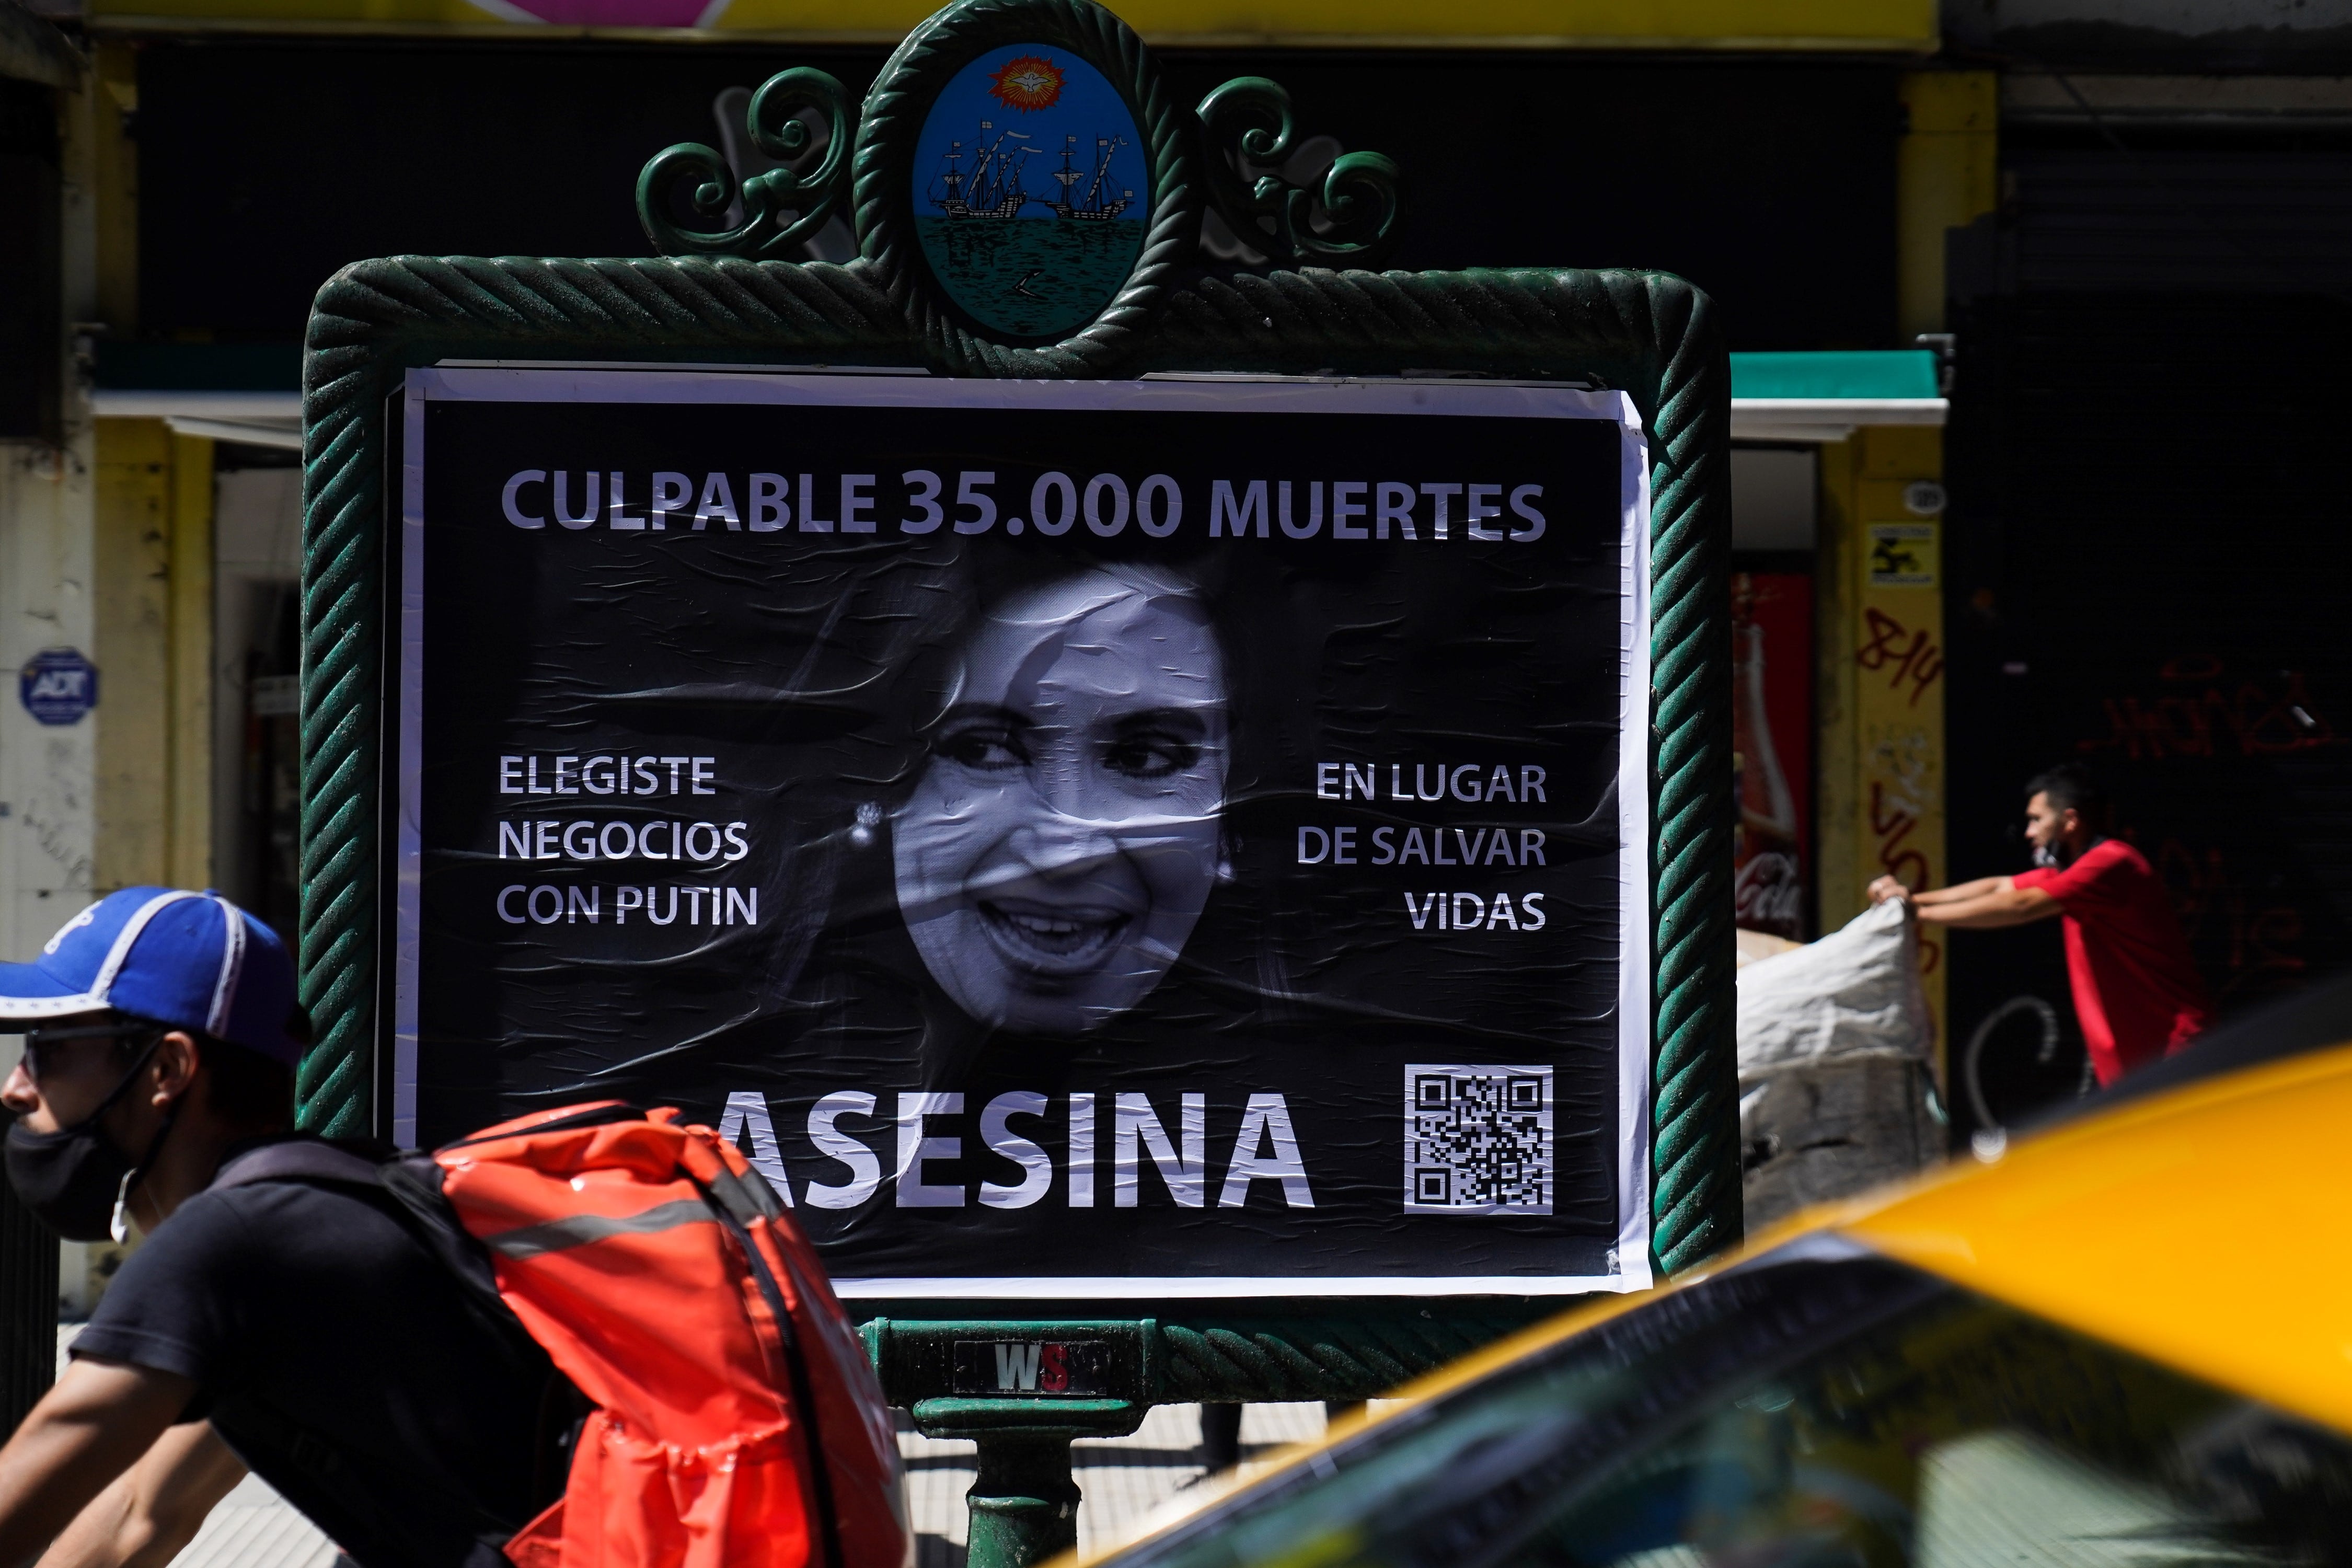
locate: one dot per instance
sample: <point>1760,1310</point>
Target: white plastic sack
<point>1856,991</point>
<point>1834,1040</point>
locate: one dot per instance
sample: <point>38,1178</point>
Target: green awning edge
<point>1838,373</point>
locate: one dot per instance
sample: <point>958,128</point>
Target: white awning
<point>256,418</point>
<point>1828,418</point>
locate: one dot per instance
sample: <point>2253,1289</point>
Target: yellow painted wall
<point>114,100</point>
<point>1908,26</point>
<point>1881,693</point>
<point>189,801</point>
<point>133,540</point>
<point>1946,174</point>
<point>1881,685</point>
<point>152,579</point>
<point>152,645</point>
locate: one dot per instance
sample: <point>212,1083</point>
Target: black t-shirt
<point>341,1361</point>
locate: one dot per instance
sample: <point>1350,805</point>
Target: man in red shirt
<point>2137,989</point>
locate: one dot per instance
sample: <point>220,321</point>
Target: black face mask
<point>75,1180</point>
<point>2057,857</point>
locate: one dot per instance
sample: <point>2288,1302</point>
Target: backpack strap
<point>299,1159</point>
<point>412,1183</point>
<point>413,1180</point>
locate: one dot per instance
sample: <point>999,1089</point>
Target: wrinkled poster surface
<point>1113,840</point>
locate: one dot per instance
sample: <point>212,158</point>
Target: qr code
<point>1477,1140</point>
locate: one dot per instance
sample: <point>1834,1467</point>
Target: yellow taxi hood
<point>2209,1228</point>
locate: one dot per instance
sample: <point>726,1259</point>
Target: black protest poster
<point>1097,840</point>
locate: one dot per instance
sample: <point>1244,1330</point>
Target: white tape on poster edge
<point>1633,958</point>
<point>407,865</point>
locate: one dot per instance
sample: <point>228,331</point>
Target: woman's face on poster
<point>1058,849</point>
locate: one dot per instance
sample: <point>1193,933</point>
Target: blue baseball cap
<point>194,960</point>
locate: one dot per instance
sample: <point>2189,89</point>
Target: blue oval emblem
<point>1031,191</point>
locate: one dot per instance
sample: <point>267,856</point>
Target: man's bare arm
<point>1959,894</point>
<point>1986,904</point>
<point>155,1508</point>
<point>1887,888</point>
<point>2003,904</point>
<point>93,1426</point>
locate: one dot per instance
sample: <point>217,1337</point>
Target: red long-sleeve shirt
<point>2137,989</point>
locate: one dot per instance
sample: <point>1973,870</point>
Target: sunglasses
<point>45,1047</point>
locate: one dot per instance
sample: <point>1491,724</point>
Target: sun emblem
<point>1027,82</point>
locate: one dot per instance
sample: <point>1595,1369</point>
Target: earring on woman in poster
<point>869,817</point>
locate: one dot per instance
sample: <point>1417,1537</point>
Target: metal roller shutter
<point>2150,570</point>
<point>2170,219</point>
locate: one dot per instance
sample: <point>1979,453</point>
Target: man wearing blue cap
<point>307,1322</point>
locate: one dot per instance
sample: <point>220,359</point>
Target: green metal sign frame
<point>716,298</point>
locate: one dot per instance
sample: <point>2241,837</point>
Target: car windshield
<point>1808,1411</point>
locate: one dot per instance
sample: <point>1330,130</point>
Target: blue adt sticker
<point>59,685</point>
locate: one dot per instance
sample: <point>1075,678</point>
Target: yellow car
<point>2125,1342</point>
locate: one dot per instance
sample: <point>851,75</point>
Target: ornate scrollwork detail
<point>1247,121</point>
<point>781,208</point>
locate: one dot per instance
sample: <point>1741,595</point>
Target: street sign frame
<point>714,302</point>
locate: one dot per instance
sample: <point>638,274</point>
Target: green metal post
<point>1024,1504</point>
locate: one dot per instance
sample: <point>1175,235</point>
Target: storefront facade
<point>2147,562</point>
<point>1919,629</point>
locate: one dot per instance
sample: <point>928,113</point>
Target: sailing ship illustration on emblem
<point>993,188</point>
<point>1031,260</point>
<point>1095,205</point>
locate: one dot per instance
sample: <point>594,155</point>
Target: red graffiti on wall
<point>1890,825</point>
<point>2199,712</point>
<point>1911,657</point>
<point>2217,911</point>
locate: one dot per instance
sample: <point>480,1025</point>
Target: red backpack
<point>736,1422</point>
